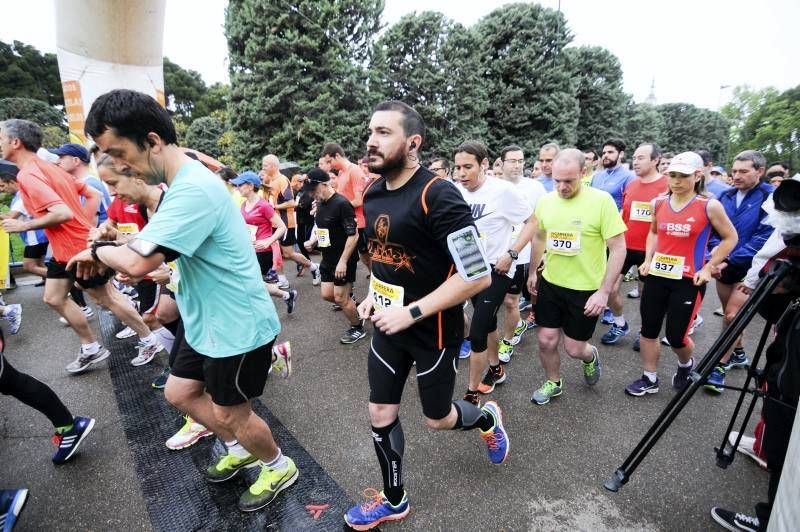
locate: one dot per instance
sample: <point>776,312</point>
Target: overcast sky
<point>690,47</point>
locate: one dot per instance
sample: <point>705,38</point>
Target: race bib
<point>641,211</point>
<point>385,295</point>
<point>323,237</point>
<point>252,229</point>
<point>563,242</point>
<point>667,266</point>
<point>128,229</point>
<point>174,277</point>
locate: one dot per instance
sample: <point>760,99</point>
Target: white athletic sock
<point>286,296</point>
<point>688,364</point>
<point>314,266</point>
<point>279,462</point>
<point>235,448</point>
<point>150,339</point>
<point>282,279</point>
<point>652,376</point>
<point>90,349</point>
<point>619,321</point>
<point>166,337</point>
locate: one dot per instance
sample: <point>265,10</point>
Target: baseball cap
<point>718,169</point>
<point>8,169</point>
<point>314,178</point>
<point>246,177</point>
<point>73,150</point>
<point>687,163</point>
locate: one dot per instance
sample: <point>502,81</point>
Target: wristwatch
<point>514,254</point>
<point>97,244</point>
<point>416,313</point>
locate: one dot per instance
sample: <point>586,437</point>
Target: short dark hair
<point>783,164</point>
<point>132,115</point>
<point>512,147</point>
<point>227,173</point>
<point>473,147</point>
<point>706,156</point>
<point>412,123</point>
<point>7,176</point>
<point>445,162</point>
<point>593,151</point>
<point>655,150</point>
<point>332,149</point>
<point>667,155</point>
<point>29,133</point>
<point>618,144</point>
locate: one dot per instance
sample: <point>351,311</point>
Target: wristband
<point>97,244</point>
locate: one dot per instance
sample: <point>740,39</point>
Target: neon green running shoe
<point>519,330</point>
<point>547,391</point>
<point>227,467</point>
<point>270,482</point>
<point>504,351</point>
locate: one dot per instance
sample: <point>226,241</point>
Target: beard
<point>389,163</point>
<point>609,163</point>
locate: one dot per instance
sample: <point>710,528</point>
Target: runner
<point>547,154</point>
<point>637,215</point>
<point>426,261</point>
<point>36,243</point>
<point>497,208</point>
<point>261,218</point>
<point>576,225</point>
<point>614,177</point>
<point>336,235</point>
<point>215,373</point>
<point>74,159</point>
<point>52,196</point>
<point>675,268</point>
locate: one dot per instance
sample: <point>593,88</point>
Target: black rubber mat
<point>177,496</point>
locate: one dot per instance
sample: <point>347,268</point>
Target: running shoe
<point>291,301</point>
<point>284,285</point>
<point>494,376</point>
<point>268,485</point>
<point>747,447</point>
<point>14,317</point>
<point>681,378</point>
<point>637,344</point>
<point>161,381</point>
<point>592,370</point>
<point>84,360</point>
<point>375,511</point>
<point>190,433</point>
<point>615,334</point>
<point>608,317</point>
<point>505,351</point>
<point>496,438</point>
<point>719,311</point>
<point>316,276</point>
<point>283,359</point>
<point>473,397</point>
<point>127,332</point>
<point>547,391</point>
<point>628,277</point>
<point>519,330</point>
<point>716,380</point>
<point>228,466</point>
<point>336,307</point>
<point>69,441</point>
<point>738,359</point>
<point>733,521</point>
<point>146,353</point>
<point>87,311</point>
<point>466,347</point>
<point>531,322</point>
<point>524,304</point>
<point>11,504</point>
<point>634,294</point>
<point>641,387</point>
<point>353,334</point>
<point>271,277</point>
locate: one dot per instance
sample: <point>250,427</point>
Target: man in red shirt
<point>53,198</point>
<point>350,183</point>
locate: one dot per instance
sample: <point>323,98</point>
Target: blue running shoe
<point>738,359</point>
<point>14,317</point>
<point>11,503</point>
<point>608,317</point>
<point>375,511</point>
<point>466,347</point>
<point>716,380</point>
<point>615,333</point>
<point>496,438</point>
<point>69,441</point>
<point>641,387</point>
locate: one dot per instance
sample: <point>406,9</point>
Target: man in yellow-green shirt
<point>575,224</point>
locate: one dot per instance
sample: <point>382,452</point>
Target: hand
<point>703,276</point>
<point>596,303</point>
<point>341,270</point>
<point>392,320</point>
<point>124,278</point>
<point>365,308</point>
<point>160,275</point>
<point>746,290</point>
<point>532,278</point>
<point>644,269</point>
<point>262,244</point>
<point>85,265</point>
<point>15,226</point>
<point>503,264</point>
<point>309,244</point>
<point>94,234</point>
<point>716,271</point>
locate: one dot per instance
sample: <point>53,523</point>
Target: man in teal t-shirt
<point>230,323</point>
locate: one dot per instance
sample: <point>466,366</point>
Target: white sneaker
<point>634,294</point>
<point>747,447</point>
<point>190,433</point>
<point>146,353</point>
<point>84,361</point>
<point>87,311</point>
<point>127,332</point>
<point>316,276</point>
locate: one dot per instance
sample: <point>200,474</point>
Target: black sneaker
<point>335,307</point>
<point>353,334</point>
<point>734,521</point>
<point>161,381</point>
<point>681,378</point>
<point>291,301</point>
<point>473,397</point>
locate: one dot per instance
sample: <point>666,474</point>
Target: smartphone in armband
<point>468,254</point>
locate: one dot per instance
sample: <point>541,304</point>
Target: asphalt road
<point>561,453</point>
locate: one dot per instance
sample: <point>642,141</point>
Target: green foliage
<point>183,89</point>
<point>54,136</point>
<point>33,110</point>
<point>296,76</point>
<point>532,98</point>
<point>26,71</point>
<point>204,135</point>
<point>601,100</point>
<point>687,127</point>
<point>643,123</point>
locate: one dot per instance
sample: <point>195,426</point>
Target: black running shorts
<point>58,270</point>
<point>486,305</point>
<point>562,308</point>
<point>264,261</point>
<point>290,238</point>
<point>149,292</point>
<point>633,257</point>
<point>37,251</point>
<point>327,273</point>
<point>519,284</point>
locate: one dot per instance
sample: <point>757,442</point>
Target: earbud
<point>413,144</point>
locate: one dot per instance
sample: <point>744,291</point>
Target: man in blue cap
<point>74,159</point>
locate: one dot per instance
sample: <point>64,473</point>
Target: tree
<point>183,89</point>
<point>26,71</point>
<point>425,61</point>
<point>34,110</point>
<point>643,123</point>
<point>214,102</point>
<point>296,81</point>
<point>532,98</point>
<point>601,100</point>
<point>687,127</point>
<point>204,135</point>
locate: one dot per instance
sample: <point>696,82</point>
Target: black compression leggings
<point>33,393</point>
<point>77,296</point>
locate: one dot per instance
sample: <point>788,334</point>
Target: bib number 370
<point>563,242</point>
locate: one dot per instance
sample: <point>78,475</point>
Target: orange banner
<point>73,105</point>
